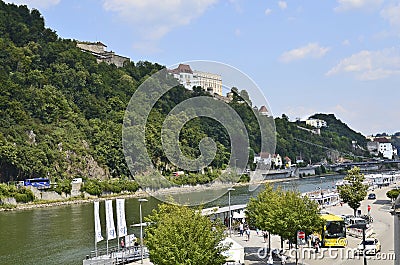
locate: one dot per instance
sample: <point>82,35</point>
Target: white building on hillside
<point>317,123</point>
<point>386,148</point>
<point>189,78</point>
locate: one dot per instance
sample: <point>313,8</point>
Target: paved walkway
<point>255,248</point>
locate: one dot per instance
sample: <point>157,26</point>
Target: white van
<point>356,220</point>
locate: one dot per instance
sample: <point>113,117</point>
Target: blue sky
<point>338,56</point>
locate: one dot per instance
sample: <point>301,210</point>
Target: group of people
<point>270,259</point>
<point>315,242</point>
<point>244,229</point>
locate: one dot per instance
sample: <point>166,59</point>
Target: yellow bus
<point>334,231</point>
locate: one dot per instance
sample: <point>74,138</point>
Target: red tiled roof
<point>182,68</point>
<point>381,140</point>
<point>263,109</point>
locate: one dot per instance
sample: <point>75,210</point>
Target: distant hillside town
<point>382,145</point>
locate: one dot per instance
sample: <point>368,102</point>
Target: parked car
<point>372,246</point>
<point>346,218</point>
<point>372,196</point>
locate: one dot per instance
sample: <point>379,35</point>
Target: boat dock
<point>116,256</point>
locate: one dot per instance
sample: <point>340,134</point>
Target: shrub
<point>63,186</point>
<point>130,185</point>
<point>4,191</point>
<point>93,187</point>
<point>21,197</point>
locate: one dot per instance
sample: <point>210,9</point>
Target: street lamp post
<point>141,228</point>
<point>363,227</point>
<point>230,215</point>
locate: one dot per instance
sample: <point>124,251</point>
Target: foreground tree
<point>284,212</point>
<point>355,191</point>
<point>180,235</point>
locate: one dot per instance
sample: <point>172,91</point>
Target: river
<point>64,234</point>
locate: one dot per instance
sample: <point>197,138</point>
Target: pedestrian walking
<point>241,229</point>
<point>316,245</point>
<point>313,237</point>
<point>270,260</point>
<point>265,236</point>
<point>248,233</point>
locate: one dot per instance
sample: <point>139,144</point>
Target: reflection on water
<point>64,235</point>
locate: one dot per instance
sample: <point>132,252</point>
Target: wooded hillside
<point>61,112</point>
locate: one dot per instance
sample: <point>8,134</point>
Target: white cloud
<point>153,19</point>
<point>345,5</point>
<point>268,11</point>
<point>346,43</point>
<point>282,5</point>
<point>392,14</point>
<point>370,65</point>
<point>35,3</point>
<point>311,50</point>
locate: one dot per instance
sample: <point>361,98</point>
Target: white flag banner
<point>110,221</point>
<point>97,227</point>
<point>121,223</point>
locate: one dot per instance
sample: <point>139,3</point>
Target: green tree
<point>180,235</point>
<point>393,194</point>
<point>63,185</point>
<point>355,191</point>
<point>283,212</point>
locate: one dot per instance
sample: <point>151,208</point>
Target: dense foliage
<point>355,190</point>
<point>393,194</point>
<point>283,212</point>
<point>21,194</point>
<point>333,142</point>
<point>97,187</point>
<point>180,235</point>
<point>61,112</point>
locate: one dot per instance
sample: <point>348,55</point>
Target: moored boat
<point>324,198</point>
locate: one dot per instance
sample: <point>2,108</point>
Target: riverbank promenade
<point>382,229</point>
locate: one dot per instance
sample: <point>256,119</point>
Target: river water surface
<point>65,234</point>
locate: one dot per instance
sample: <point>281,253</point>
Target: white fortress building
<point>98,49</point>
<point>189,78</point>
<point>317,123</point>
